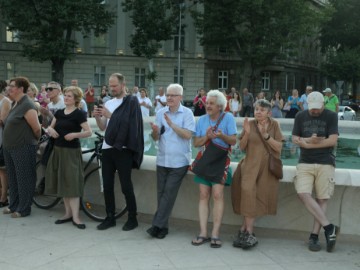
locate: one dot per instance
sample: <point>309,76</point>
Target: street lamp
<point>181,6</point>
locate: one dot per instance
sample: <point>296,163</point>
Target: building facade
<point>96,58</point>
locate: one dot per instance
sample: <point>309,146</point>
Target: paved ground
<point>35,242</point>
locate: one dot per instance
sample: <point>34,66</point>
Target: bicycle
<point>92,200</point>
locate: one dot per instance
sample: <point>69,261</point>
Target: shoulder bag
<point>212,164</point>
<point>275,164</point>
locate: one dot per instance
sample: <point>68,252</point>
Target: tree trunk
<point>151,79</point>
<point>57,70</point>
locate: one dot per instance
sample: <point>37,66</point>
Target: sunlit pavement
<point>35,242</point>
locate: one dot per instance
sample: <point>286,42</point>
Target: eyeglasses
<point>172,96</point>
<point>50,88</point>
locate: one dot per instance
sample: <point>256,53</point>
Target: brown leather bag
<point>275,164</point>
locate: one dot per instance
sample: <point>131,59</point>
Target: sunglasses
<point>50,88</point>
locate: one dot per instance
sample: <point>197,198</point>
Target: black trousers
<point>118,160</point>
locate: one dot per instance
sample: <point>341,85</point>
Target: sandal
<point>3,204</point>
<point>199,240</point>
<point>7,211</point>
<point>215,242</point>
<point>16,215</point>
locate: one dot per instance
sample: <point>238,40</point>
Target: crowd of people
<point>26,113</point>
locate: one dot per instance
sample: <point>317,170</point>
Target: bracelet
<point>267,138</point>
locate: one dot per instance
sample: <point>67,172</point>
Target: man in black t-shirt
<point>316,132</point>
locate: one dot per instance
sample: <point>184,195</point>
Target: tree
<point>46,28</point>
<point>340,39</point>
<point>154,22</point>
<point>255,30</point>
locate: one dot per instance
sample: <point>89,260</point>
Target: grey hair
<point>220,98</point>
<point>176,87</point>
<point>56,84</point>
<point>263,103</point>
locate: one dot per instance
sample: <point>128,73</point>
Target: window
<point>223,50</point>
<point>140,77</point>
<point>181,76</point>
<point>176,40</point>
<point>265,81</point>
<point>10,70</point>
<point>100,41</point>
<point>12,36</point>
<point>223,79</point>
<point>99,75</point>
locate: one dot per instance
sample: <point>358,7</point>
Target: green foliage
<point>255,30</point>
<point>46,28</point>
<point>340,39</point>
<point>154,21</point>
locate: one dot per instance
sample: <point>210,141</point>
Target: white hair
<point>220,98</point>
<point>176,87</point>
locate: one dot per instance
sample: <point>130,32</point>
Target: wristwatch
<point>267,138</point>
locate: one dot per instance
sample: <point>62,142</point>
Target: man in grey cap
<point>331,101</point>
<point>316,132</point>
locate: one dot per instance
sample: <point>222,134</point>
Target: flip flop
<point>215,242</point>
<point>201,239</point>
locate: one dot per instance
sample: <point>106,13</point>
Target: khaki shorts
<point>318,176</point>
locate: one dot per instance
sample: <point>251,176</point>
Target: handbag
<point>2,159</point>
<point>286,107</point>
<point>275,164</point>
<point>213,163</point>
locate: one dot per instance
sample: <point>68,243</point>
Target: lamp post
<point>181,5</point>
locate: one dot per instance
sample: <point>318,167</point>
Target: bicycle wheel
<point>92,201</point>
<point>40,199</point>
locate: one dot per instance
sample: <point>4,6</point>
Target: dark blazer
<point>125,128</point>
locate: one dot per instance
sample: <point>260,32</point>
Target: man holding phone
<point>122,148</point>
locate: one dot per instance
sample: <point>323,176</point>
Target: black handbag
<point>212,163</point>
<point>2,159</point>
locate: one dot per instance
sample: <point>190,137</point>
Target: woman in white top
<point>235,104</point>
<point>145,103</point>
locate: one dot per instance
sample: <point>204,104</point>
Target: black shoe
<point>153,231</point>
<point>313,244</point>
<point>130,224</point>
<point>331,238</point>
<point>3,204</point>
<point>79,226</point>
<point>107,223</point>
<point>61,221</point>
<point>162,233</point>
<point>239,240</point>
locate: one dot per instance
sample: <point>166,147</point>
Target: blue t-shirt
<point>293,102</point>
<point>227,126</point>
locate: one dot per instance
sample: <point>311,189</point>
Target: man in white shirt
<point>303,100</point>
<point>160,100</point>
<point>145,103</point>
<point>122,148</point>
<point>135,91</point>
<point>53,91</point>
<point>174,127</point>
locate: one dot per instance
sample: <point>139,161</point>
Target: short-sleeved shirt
<point>303,100</point>
<point>174,151</point>
<point>293,102</point>
<point>158,104</point>
<point>145,111</point>
<point>53,108</point>
<point>325,125</point>
<point>17,131</point>
<point>330,102</point>
<point>111,106</point>
<point>68,123</point>
<point>227,126</point>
